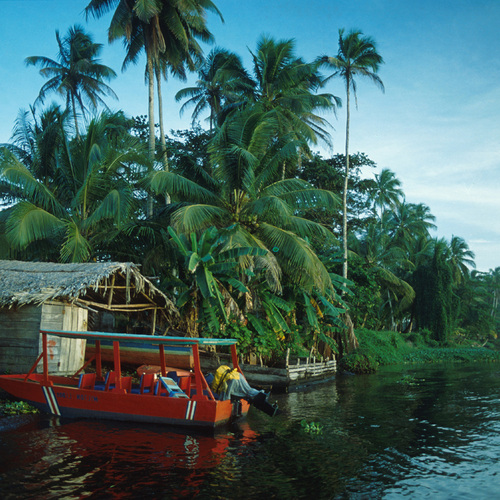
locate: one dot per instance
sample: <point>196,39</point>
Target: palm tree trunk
<point>74,117</point>
<point>152,144</point>
<point>163,142</point>
<point>346,183</point>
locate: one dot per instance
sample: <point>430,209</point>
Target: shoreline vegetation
<point>383,348</point>
<point>376,349</point>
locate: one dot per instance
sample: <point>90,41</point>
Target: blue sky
<point>436,126</point>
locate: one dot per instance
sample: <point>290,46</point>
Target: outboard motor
<point>230,384</point>
<point>261,402</point>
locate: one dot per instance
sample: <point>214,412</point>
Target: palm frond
<point>27,223</point>
<point>296,256</point>
<point>163,182</point>
<point>75,248</point>
<point>194,217</point>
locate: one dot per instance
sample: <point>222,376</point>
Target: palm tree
<point>461,257</point>
<point>385,190</point>
<point>78,75</point>
<point>247,159</point>
<point>166,30</point>
<point>408,221</point>
<point>222,80</point>
<point>37,140</point>
<point>287,86</point>
<point>357,56</point>
<point>76,215</point>
<point>383,259</point>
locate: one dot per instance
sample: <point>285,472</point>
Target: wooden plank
<point>19,338</point>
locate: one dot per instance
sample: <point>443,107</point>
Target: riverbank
<point>376,348</point>
<point>392,348</point>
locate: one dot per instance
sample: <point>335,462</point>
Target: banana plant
<point>209,276</point>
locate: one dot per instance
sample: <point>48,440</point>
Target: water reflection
<point>78,459</point>
<point>432,431</point>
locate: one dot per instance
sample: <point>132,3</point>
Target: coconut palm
<point>385,190</point>
<point>37,140</point>
<point>221,80</point>
<point>78,76</point>
<point>461,257</point>
<point>383,259</point>
<point>247,159</point>
<point>287,86</point>
<point>408,221</point>
<point>77,214</point>
<point>357,56</point>
<point>166,30</point>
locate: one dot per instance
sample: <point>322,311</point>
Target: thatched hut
<point>40,295</point>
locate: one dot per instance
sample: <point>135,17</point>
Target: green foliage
<point>77,200</point>
<point>434,300</point>
<point>76,206</point>
<point>366,300</point>
<point>239,331</point>
<point>15,408</point>
<point>390,348</point>
<point>421,338</point>
<point>210,266</point>
<point>358,363</point>
<point>452,354</point>
<point>408,380</point>
<point>263,341</point>
<point>311,427</point>
<point>329,173</point>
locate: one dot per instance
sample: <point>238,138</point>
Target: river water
<point>415,432</point>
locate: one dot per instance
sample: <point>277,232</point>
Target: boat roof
<point>152,339</point>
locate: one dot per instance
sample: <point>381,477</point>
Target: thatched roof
<point>111,286</point>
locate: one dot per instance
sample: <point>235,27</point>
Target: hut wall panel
<point>66,356</point>
<point>19,338</point>
<point>75,319</point>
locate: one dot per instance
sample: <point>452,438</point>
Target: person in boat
<point>229,383</point>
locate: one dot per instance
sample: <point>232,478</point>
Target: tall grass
<point>392,348</point>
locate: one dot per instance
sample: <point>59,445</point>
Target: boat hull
<point>63,398</point>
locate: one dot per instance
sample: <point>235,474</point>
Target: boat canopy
<point>152,339</point>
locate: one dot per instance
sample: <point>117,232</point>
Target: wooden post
<point>127,289</point>
<point>98,364</point>
<point>45,359</point>
<point>154,321</point>
<point>197,373</point>
<point>118,367</point>
<point>110,298</point>
<point>162,361</point>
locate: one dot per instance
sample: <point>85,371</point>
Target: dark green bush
<point>358,363</point>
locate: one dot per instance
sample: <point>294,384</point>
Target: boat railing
<point>194,385</point>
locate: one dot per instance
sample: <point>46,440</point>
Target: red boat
<point>174,396</point>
